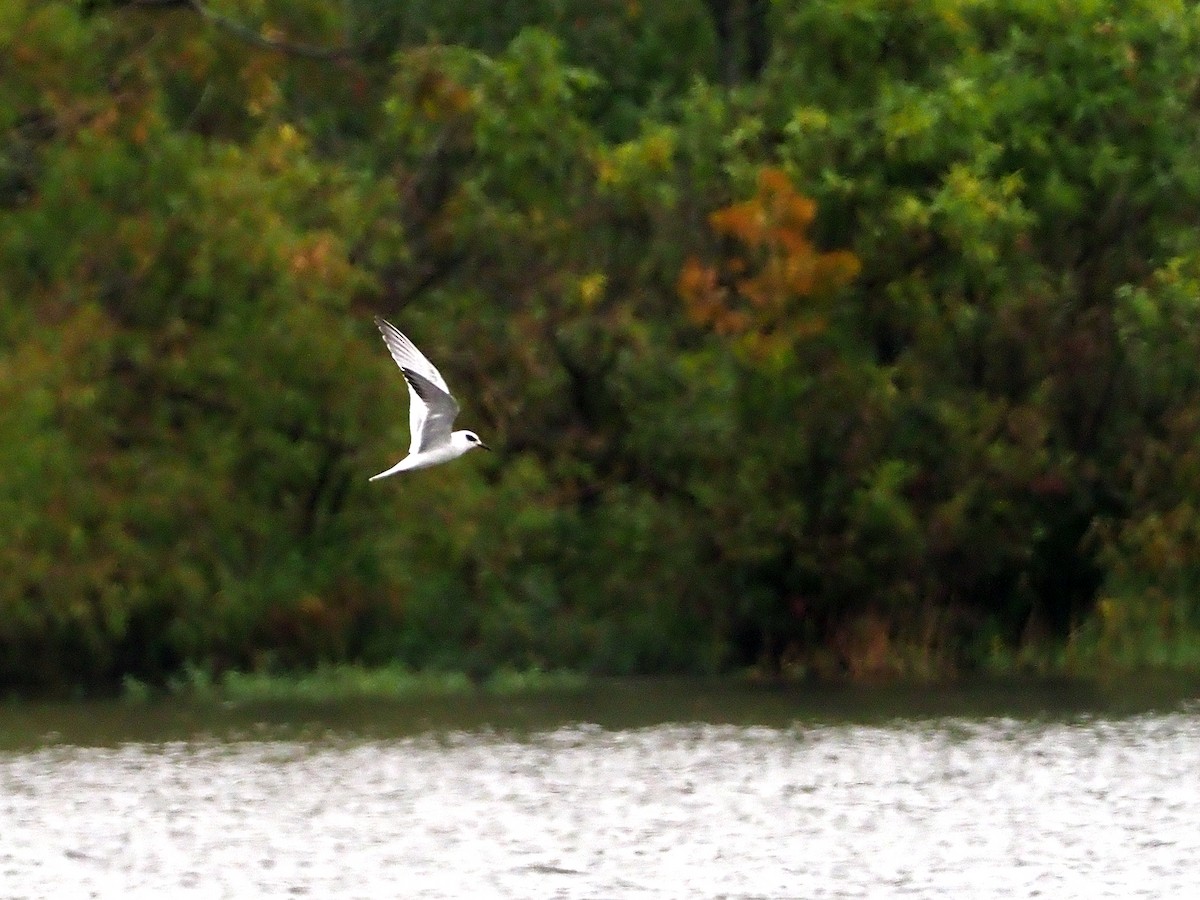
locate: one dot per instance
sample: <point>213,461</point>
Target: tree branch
<point>252,37</point>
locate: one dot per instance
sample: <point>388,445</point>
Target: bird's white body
<point>459,444</point>
<point>431,410</point>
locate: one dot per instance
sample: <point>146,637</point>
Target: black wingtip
<point>423,386</point>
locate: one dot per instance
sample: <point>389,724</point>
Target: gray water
<point>528,799</point>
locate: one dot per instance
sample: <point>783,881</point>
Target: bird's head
<point>468,440</point>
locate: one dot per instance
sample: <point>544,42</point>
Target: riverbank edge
<point>346,682</point>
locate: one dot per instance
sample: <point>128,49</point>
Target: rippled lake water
<point>726,795</point>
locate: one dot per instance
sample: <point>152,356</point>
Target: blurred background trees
<point>821,337</point>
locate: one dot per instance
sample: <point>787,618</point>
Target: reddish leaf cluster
<point>754,290</point>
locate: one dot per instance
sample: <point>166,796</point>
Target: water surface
<point>637,791</point>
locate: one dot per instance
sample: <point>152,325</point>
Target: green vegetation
<point>820,338</point>
<point>337,683</point>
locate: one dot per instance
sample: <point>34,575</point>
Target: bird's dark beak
<point>484,446</point>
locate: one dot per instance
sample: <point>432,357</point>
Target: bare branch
<point>250,36</point>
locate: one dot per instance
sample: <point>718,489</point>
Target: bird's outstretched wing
<point>410,359</point>
<point>437,421</point>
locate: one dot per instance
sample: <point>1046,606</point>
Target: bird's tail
<point>398,467</point>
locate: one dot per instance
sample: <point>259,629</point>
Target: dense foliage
<point>821,335</point>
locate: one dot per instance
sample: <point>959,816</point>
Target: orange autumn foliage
<point>755,290</point>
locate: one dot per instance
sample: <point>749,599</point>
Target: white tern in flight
<point>431,408</point>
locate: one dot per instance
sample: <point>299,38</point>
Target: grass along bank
<point>334,683</point>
